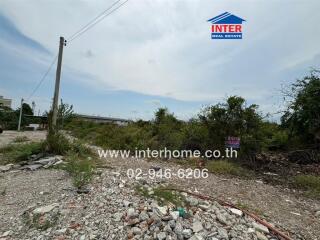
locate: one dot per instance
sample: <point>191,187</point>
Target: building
<point>98,119</point>
<point>5,102</point>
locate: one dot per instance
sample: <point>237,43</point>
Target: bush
<point>226,167</point>
<point>20,139</point>
<point>81,169</point>
<point>310,183</point>
<point>56,143</point>
<point>20,152</point>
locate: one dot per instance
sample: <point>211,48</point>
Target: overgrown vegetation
<point>309,183</point>
<point>300,126</point>
<point>21,139</point>
<point>9,118</point>
<point>80,168</point>
<point>20,152</point>
<point>162,195</point>
<point>227,167</point>
<point>302,117</point>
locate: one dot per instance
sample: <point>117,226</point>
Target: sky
<point>156,53</point>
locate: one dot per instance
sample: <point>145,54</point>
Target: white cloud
<point>164,48</point>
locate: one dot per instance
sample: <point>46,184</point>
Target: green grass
<point>15,153</point>
<point>81,169</point>
<point>21,139</point>
<point>309,183</point>
<point>226,167</point>
<point>248,208</point>
<point>162,195</point>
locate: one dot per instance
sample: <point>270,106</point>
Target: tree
<point>233,118</point>
<point>302,116</point>
<point>166,130</point>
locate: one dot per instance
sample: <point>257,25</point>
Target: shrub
<point>57,143</point>
<point>20,152</point>
<point>310,183</point>
<point>20,139</point>
<point>81,169</point>
<point>226,167</point>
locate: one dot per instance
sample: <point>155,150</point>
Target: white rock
<point>187,233</point>
<point>161,236</point>
<point>45,209</point>
<point>260,227</point>
<point>162,210</point>
<point>197,226</point>
<point>174,215</point>
<point>6,234</point>
<point>236,211</point>
<point>261,236</point>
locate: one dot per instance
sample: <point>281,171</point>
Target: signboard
<point>233,142</point>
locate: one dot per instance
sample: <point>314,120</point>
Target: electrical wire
<point>93,20</point>
<point>92,24</point>
<point>43,78</point>
<point>77,34</point>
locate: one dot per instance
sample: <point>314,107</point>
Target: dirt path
<point>8,137</point>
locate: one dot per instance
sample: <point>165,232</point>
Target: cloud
<point>163,48</point>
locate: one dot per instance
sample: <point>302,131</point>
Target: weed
<point>20,152</point>
<point>226,167</point>
<point>80,168</point>
<point>163,196</point>
<point>246,207</point>
<point>21,139</point>
<point>57,143</point>
<point>3,192</point>
<point>309,183</point>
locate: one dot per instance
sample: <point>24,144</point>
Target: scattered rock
<point>261,228</point>
<point>236,211</point>
<point>197,226</point>
<point>6,168</point>
<point>261,236</point>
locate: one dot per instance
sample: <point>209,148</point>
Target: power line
<point>92,24</point>
<point>43,78</point>
<point>101,14</point>
<point>78,33</point>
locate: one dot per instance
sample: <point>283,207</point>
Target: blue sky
<point>156,53</point>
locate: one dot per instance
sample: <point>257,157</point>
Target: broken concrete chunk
<point>197,226</point>
<point>236,211</point>
<point>45,209</point>
<point>261,228</point>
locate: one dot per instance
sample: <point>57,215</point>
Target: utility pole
<point>20,116</point>
<point>33,108</point>
<point>57,85</point>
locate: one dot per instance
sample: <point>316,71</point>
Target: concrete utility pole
<point>20,116</point>
<point>57,85</point>
<point>33,108</point>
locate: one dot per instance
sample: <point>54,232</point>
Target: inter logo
<point>226,26</point>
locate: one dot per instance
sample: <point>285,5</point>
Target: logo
<point>226,26</point>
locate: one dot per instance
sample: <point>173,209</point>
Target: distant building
<point>5,102</point>
<point>98,119</point>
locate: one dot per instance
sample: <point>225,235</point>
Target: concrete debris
<point>33,164</point>
<point>236,211</point>
<point>261,228</point>
<point>6,168</point>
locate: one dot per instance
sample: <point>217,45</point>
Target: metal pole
<point>57,85</point>
<point>20,116</point>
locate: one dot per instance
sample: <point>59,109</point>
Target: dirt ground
<point>285,208</point>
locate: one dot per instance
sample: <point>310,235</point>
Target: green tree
<point>233,118</point>
<point>302,116</point>
<point>166,130</point>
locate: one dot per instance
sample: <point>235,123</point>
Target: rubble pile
<point>35,162</point>
<point>114,210</point>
